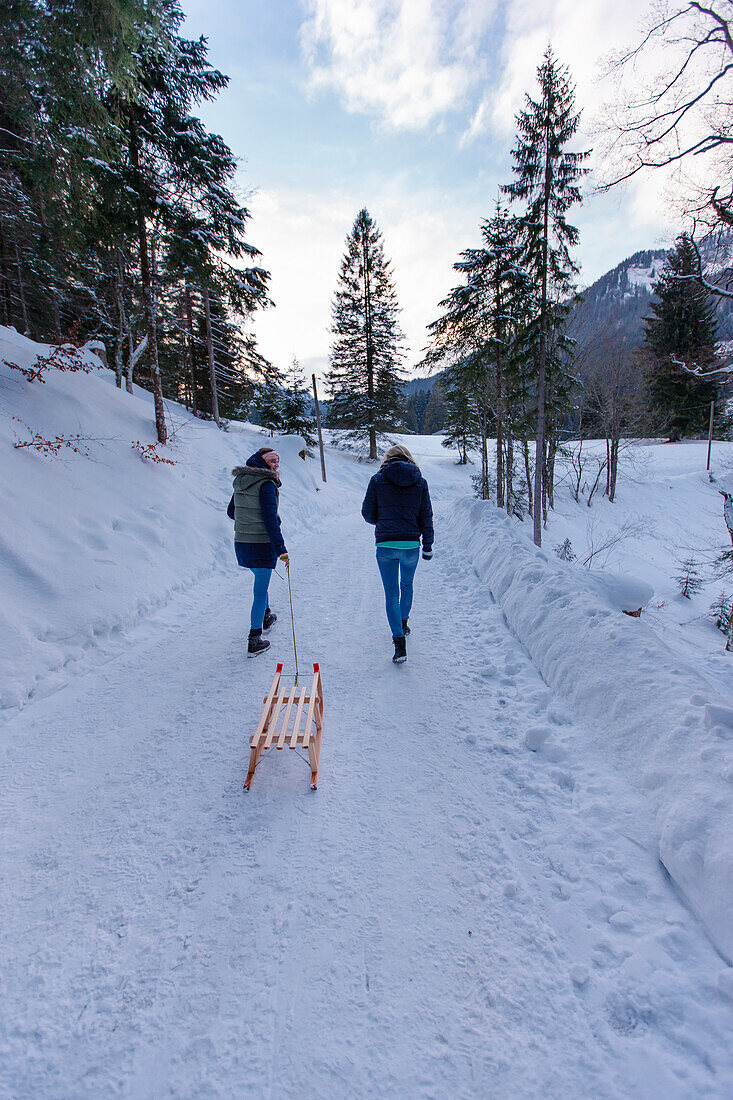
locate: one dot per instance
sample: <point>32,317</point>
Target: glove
<point>427,555</point>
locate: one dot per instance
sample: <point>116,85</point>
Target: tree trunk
<point>21,291</point>
<point>542,356</point>
<point>369,349</point>
<point>188,325</point>
<point>152,348</point>
<point>130,356</point>
<point>318,428</point>
<point>509,472</point>
<point>44,222</point>
<point>544,486</point>
<point>528,476</point>
<point>499,435</point>
<point>56,312</point>
<point>4,280</point>
<point>614,469</point>
<point>550,471</point>
<point>7,314</point>
<point>212,368</point>
<point>119,357</point>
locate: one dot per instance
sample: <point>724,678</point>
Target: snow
<point>645,276</point>
<point>471,904</point>
<point>88,546</point>
<point>649,710</point>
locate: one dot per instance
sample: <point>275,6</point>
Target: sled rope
<point>292,620</point>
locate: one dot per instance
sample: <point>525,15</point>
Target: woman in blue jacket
<point>258,541</point>
<point>397,501</point>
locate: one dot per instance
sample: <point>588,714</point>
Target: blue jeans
<point>397,568</point>
<point>259,596</point>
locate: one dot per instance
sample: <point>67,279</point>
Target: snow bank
<point>89,544</point>
<point>655,716</point>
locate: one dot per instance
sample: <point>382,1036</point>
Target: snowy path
<point>450,915</point>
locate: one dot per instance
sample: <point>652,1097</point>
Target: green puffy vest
<point>248,523</point>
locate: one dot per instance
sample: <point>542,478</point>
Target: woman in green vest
<point>258,541</point>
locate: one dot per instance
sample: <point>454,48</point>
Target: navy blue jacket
<point>398,501</point>
<point>261,555</point>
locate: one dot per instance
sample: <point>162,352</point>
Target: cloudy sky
<point>406,107</point>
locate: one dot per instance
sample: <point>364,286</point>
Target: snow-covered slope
<point>652,713</point>
<point>480,860</point>
<point>88,544</point>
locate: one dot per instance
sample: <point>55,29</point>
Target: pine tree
<point>57,62</point>
<point>412,424</point>
<point>722,611</point>
<point>295,414</point>
<point>564,551</point>
<point>365,377</point>
<point>689,579</point>
<point>547,184</point>
<point>481,323</point>
<point>269,404</point>
<point>117,211</point>
<point>434,415</point>
<point>461,427</point>
<point>415,408</point>
<point>681,330</point>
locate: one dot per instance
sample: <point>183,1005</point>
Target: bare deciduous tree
<point>682,113</point>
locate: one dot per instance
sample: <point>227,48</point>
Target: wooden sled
<point>274,726</point>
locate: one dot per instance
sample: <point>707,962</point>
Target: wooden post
<point>212,368</point>
<point>710,432</point>
<point>318,426</point>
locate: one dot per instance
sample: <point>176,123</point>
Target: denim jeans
<point>259,596</point>
<point>397,568</point>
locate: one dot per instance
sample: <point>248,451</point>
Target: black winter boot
<point>256,644</point>
<point>400,650</point>
<point>405,627</point>
<point>270,619</point>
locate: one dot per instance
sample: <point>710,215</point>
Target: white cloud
<point>582,36</point>
<point>406,61</point>
<point>302,239</point>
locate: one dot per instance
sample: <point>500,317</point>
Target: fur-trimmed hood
<point>250,474</point>
<point>256,469</point>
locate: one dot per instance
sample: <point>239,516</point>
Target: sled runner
<point>299,703</point>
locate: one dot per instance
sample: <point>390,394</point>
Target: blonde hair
<point>398,451</point>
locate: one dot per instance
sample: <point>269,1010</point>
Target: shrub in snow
<point>64,357</point>
<point>720,610</point>
<point>688,579</point>
<point>564,551</point>
<point>484,486</point>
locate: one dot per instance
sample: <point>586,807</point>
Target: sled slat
<point>296,732</point>
<point>272,724</point>
<point>291,697</point>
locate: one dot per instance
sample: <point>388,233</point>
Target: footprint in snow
<point>579,976</point>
